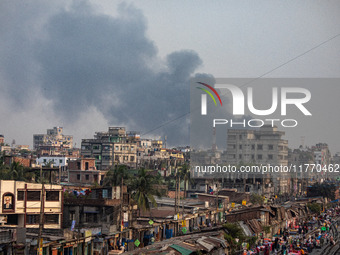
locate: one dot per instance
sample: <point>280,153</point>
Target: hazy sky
<point>87,65</point>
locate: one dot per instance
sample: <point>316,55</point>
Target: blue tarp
<point>168,233</point>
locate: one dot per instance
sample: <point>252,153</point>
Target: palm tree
<point>16,171</point>
<point>115,175</point>
<point>143,189</point>
<point>185,176</point>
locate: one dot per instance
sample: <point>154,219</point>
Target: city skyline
<point>72,65</point>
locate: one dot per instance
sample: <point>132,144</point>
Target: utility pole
<point>80,213</point>
<point>41,219</point>
<point>176,190</point>
<point>121,207</point>
<point>216,203</point>
<point>59,174</point>
<point>179,192</point>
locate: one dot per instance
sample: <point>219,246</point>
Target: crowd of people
<point>300,237</point>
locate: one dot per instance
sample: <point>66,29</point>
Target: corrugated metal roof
<point>180,249</point>
<point>220,240</point>
<point>206,245</point>
<point>245,229</point>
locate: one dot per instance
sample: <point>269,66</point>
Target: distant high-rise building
<point>262,146</point>
<point>322,154</point>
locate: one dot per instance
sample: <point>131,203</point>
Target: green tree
<point>170,181</point>
<point>16,172</point>
<point>144,189</point>
<point>184,172</point>
<point>314,207</point>
<point>256,199</point>
<point>115,176</point>
<point>235,237</point>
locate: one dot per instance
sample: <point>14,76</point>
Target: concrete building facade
<point>21,204</point>
<point>263,146</point>
<point>113,147</point>
<point>53,139</point>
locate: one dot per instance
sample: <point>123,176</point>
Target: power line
<point>264,74</point>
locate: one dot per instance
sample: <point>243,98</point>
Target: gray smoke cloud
<point>74,60</point>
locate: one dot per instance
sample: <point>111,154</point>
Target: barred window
<point>33,195</point>
<point>21,195</point>
<point>33,218</point>
<point>52,195</point>
<point>51,218</point>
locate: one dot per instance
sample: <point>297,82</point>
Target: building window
<point>259,146</point>
<point>259,156</point>
<point>240,156</point>
<point>270,147</point>
<point>72,215</point>
<point>52,195</point>
<point>252,156</point>
<point>132,158</point>
<point>96,147</point>
<point>86,165</point>
<point>253,146</point>
<point>240,146</point>
<point>91,217</point>
<point>33,195</point>
<point>21,196</point>
<point>78,177</point>
<point>270,156</point>
<point>32,218</point>
<point>51,218</point>
<point>87,177</point>
<point>60,161</point>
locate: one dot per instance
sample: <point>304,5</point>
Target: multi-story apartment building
<point>113,147</point>
<point>263,146</point>
<point>300,157</point>
<point>100,215</point>
<point>56,161</point>
<point>21,204</point>
<point>54,139</point>
<point>84,172</point>
<point>322,154</point>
